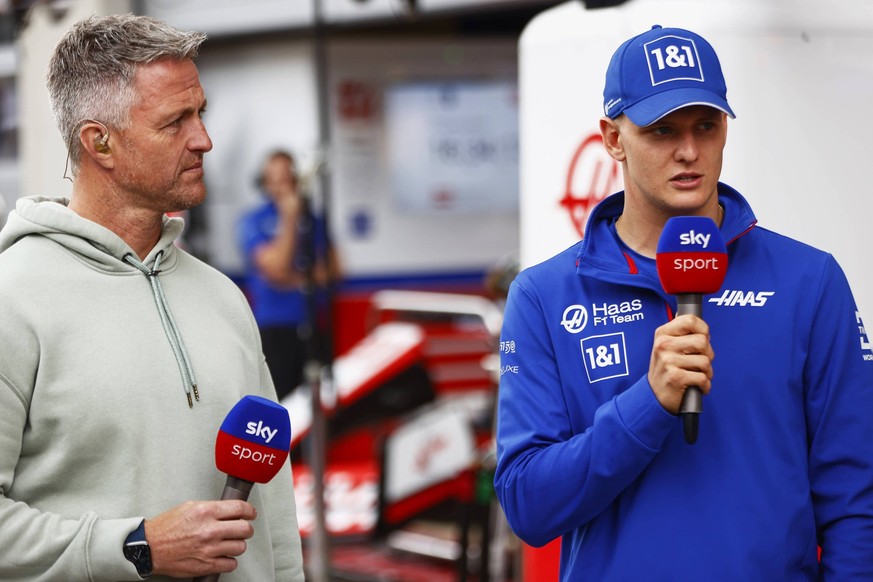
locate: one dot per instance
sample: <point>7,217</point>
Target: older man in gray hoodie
<point>106,434</point>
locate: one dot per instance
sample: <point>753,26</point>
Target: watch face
<point>140,555</point>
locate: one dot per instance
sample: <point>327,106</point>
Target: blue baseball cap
<point>661,70</point>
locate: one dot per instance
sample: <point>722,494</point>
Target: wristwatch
<point>138,552</point>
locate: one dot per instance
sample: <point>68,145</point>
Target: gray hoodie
<point>96,432</point>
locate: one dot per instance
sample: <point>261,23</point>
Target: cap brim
<point>650,110</point>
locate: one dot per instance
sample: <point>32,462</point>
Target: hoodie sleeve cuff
<point>106,559</point>
<point>643,415</point>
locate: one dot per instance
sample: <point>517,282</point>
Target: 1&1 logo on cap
<point>673,58</point>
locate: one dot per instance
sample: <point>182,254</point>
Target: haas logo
<point>592,177</point>
<point>575,318</point>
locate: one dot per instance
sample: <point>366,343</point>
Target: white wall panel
<point>378,234</point>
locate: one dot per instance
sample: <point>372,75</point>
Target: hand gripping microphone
<point>252,446</point>
<point>692,262</point>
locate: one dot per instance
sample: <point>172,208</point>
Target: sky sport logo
<point>254,440</point>
<point>694,238</point>
<point>260,430</point>
<point>246,451</point>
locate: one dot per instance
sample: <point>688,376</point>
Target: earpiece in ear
<point>101,146</point>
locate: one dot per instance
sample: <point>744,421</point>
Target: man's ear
<point>94,139</point>
<point>609,131</point>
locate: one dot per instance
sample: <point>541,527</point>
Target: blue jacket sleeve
<point>553,474</point>
<point>249,234</point>
<point>838,377</point>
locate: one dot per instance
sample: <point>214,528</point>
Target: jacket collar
<point>603,256</point>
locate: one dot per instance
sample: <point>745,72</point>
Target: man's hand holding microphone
<point>691,262</point>
<point>204,538</point>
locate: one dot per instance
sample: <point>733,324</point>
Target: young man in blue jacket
<point>590,447</point>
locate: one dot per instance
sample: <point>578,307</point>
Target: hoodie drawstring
<point>189,383</point>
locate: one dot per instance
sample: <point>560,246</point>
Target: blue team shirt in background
<point>274,307</point>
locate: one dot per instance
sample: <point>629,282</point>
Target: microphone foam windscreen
<point>691,257</point>
<point>254,440</point>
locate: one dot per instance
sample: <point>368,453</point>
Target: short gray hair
<point>90,75</point>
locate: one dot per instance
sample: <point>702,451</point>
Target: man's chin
<point>189,198</point>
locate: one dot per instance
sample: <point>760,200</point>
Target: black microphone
<point>691,261</point>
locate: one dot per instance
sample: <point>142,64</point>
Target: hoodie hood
<point>103,250</point>
<point>94,244</point>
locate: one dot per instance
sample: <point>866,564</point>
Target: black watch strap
<point>138,552</point>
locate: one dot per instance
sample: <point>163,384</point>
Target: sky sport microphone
<point>692,262</point>
<point>252,445</point>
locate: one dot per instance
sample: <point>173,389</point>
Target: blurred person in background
<point>107,467</point>
<point>290,266</point>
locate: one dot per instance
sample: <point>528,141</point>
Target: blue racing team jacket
<point>784,458</point>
